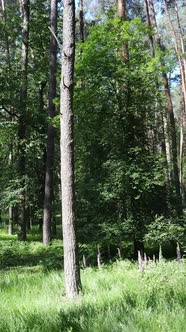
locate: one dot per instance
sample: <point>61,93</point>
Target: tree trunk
<point>48,196</point>
<point>23,116</point>
<point>167,154</point>
<point>81,21</point>
<point>165,146</point>
<point>122,13</point>
<point>10,209</point>
<point>179,45</point>
<point>148,21</point>
<point>170,114</point>
<point>10,221</point>
<point>122,9</point>
<point>71,261</point>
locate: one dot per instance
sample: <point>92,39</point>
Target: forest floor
<point>116,297</point>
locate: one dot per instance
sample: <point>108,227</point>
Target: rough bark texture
<point>71,262</point>
<point>170,114</point>
<point>48,196</point>
<point>23,115</point>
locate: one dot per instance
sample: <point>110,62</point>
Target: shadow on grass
<point>81,317</point>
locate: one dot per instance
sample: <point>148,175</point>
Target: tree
<point>180,50</point>
<point>169,115</point>
<point>71,263</point>
<point>48,196</point>
<point>81,21</point>
<point>119,173</point>
<point>23,116</point>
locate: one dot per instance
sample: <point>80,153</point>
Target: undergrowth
<point>116,297</point>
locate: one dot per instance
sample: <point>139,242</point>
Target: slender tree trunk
<point>41,165</point>
<point>10,221</point>
<point>170,114</point>
<point>25,4</point>
<point>181,154</point>
<point>48,197</point>
<point>10,209</point>
<point>81,21</point>
<point>167,153</point>
<point>3,5</point>
<point>71,261</point>
<point>148,21</point>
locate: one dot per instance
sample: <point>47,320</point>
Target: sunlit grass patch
<point>115,297</point>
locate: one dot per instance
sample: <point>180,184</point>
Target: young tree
<point>48,196</point>
<point>71,262</point>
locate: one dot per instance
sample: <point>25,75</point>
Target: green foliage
<point>119,173</point>
<point>15,254</point>
<point>163,229</point>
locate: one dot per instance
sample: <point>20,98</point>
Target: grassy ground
<point>116,297</point>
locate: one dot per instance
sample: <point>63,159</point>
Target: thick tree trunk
<point>122,13</point>
<point>71,261</point>
<point>122,9</point>
<point>48,197</point>
<point>23,116</point>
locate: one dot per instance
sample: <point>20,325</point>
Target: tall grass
<point>115,298</point>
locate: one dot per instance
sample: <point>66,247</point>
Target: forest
<point>93,165</point>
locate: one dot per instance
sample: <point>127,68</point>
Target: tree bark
<point>148,21</point>
<point>81,21</point>
<point>23,116</point>
<point>122,13</point>
<point>48,196</point>
<point>71,261</point>
<point>4,11</point>
<point>122,9</point>
<point>10,209</point>
<point>10,221</point>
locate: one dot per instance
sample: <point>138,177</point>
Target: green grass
<point>115,298</point>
